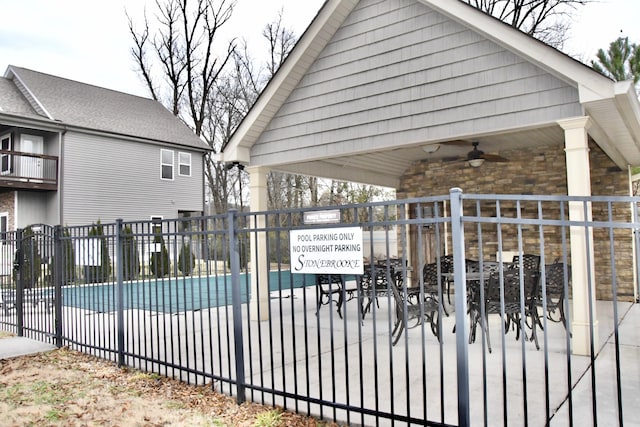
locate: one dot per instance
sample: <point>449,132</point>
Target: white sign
<point>327,251</point>
<point>322,217</point>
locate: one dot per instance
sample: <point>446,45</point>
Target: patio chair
<point>375,283</point>
<point>412,311</point>
<point>433,285</point>
<point>446,267</point>
<point>473,291</point>
<point>553,285</point>
<point>507,302</point>
<point>529,262</point>
<point>332,288</point>
<point>31,296</point>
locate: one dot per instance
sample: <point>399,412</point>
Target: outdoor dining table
<point>469,276</point>
<point>484,297</point>
<point>473,279</point>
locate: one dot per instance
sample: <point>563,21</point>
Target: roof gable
<point>98,109</point>
<point>369,75</point>
<point>13,102</point>
<point>403,72</point>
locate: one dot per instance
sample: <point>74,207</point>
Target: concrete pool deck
<point>20,346</point>
<point>358,351</point>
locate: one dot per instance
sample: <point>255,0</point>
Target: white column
<point>582,272</point>
<point>258,264</point>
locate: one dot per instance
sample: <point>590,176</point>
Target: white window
<point>5,158</point>
<point>166,164</point>
<point>4,226</point>
<point>184,164</point>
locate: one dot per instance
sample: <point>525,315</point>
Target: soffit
<point>385,168</point>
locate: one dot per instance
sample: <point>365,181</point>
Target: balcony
<point>28,171</point>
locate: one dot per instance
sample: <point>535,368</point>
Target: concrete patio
<point>405,376</point>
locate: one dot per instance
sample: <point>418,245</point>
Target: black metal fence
<point>424,335</point>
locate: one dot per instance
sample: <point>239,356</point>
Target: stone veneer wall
<point>7,203</point>
<point>540,170</point>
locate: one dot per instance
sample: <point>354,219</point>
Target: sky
<point>89,40</point>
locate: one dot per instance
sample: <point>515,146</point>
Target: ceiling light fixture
<point>476,163</point>
<point>431,148</point>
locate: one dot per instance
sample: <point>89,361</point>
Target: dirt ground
<point>68,388</point>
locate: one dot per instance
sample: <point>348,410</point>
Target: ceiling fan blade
<point>455,159</point>
<point>457,142</point>
<point>494,158</point>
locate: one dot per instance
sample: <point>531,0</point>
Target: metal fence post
<point>60,262</point>
<point>120,293</point>
<point>234,256</point>
<point>462,321</point>
<point>18,266</point>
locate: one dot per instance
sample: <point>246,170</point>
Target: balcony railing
<point>28,171</point>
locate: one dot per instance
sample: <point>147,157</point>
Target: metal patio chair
<point>414,307</point>
<point>446,267</point>
<point>507,302</point>
<point>474,295</point>
<point>553,284</point>
<point>529,262</point>
<point>434,285</point>
<point>376,282</point>
<point>332,288</point>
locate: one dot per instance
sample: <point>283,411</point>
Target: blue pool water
<point>175,294</point>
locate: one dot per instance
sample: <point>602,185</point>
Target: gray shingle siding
<point>109,161</point>
<point>36,208</point>
<point>105,179</point>
<point>397,70</point>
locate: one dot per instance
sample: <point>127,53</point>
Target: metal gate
<point>27,293</point>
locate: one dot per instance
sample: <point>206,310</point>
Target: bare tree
<point>546,20</point>
<point>281,42</point>
<point>284,190</point>
<point>183,49</point>
<point>224,118</point>
<point>176,58</point>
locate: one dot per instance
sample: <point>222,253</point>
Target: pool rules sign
<point>327,251</point>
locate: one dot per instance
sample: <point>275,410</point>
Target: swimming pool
<point>170,295</point>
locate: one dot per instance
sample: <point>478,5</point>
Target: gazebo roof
<point>368,86</point>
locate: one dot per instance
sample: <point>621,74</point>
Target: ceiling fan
<point>477,157</point>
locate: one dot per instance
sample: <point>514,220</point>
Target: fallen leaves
<point>68,388</point>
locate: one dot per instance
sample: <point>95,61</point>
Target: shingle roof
<point>86,106</point>
<point>12,101</point>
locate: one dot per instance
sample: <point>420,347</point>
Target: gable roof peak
<point>90,107</point>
